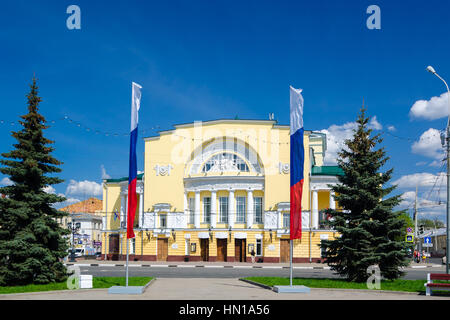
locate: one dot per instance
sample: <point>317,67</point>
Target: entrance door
<point>163,247</point>
<point>221,249</point>
<point>114,246</point>
<point>240,252</point>
<point>284,250</point>
<point>204,249</point>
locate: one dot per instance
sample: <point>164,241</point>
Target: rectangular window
<point>286,222</point>
<point>207,210</point>
<point>191,210</point>
<point>259,247</point>
<point>223,209</point>
<point>133,245</point>
<point>240,209</point>
<point>257,209</point>
<point>163,221</point>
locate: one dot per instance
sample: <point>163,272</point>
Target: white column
<point>315,210</point>
<point>213,209</point>
<point>185,207</point>
<point>197,209</point>
<point>332,202</point>
<point>141,209</point>
<point>280,219</point>
<point>231,209</point>
<point>249,208</point>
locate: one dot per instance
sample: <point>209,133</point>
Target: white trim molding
<point>223,183</point>
<point>221,235</point>
<point>240,235</point>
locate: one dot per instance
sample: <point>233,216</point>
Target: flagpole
<point>292,249</point>
<point>126,273</point>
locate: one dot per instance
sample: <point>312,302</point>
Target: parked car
<point>79,252</point>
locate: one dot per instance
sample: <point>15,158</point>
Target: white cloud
<point>429,145</point>
<point>104,174</point>
<point>435,108</point>
<point>392,128</point>
<point>436,163</point>
<point>85,188</point>
<point>336,135</point>
<point>374,124</point>
<point>421,163</point>
<point>408,196</point>
<point>420,179</point>
<point>6,182</point>
<point>432,193</point>
<point>66,203</point>
<point>427,204</point>
<point>49,189</point>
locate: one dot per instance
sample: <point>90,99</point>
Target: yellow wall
<point>176,148</point>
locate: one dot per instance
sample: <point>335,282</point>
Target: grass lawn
<point>395,285</point>
<point>107,282</point>
<point>97,283</point>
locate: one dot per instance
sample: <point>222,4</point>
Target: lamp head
<point>431,69</point>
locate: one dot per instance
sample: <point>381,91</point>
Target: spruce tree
<point>32,243</point>
<point>371,232</point>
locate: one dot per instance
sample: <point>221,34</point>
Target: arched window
<point>225,162</point>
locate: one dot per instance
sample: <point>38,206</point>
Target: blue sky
<point>203,60</point>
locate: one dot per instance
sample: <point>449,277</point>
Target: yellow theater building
<point>218,190</point>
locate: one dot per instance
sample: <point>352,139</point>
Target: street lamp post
<point>73,227</point>
<point>447,139</point>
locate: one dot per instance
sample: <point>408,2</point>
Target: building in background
<point>216,190</point>
<point>438,237</point>
<point>88,214</point>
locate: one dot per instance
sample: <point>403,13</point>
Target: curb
<point>264,286</point>
<point>337,289</point>
<point>148,284</point>
<point>215,266</point>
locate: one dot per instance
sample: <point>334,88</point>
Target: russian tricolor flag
<point>297,158</point>
<point>132,174</point>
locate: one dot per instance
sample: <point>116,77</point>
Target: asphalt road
<point>177,272</point>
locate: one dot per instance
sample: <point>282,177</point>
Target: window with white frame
<point>133,246</point>
<point>191,210</point>
<point>240,209</point>
<point>286,220</point>
<point>207,210</point>
<point>257,209</point>
<point>224,162</point>
<point>223,209</point>
<point>163,220</point>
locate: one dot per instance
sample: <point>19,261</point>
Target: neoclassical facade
<point>217,190</point>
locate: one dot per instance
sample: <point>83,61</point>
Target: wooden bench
<point>437,286</point>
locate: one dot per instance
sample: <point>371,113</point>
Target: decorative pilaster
<point>249,208</point>
<point>315,210</point>
<point>123,208</point>
<point>185,206</point>
<point>197,209</point>
<point>141,209</point>
<point>213,209</point>
<point>231,209</point>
